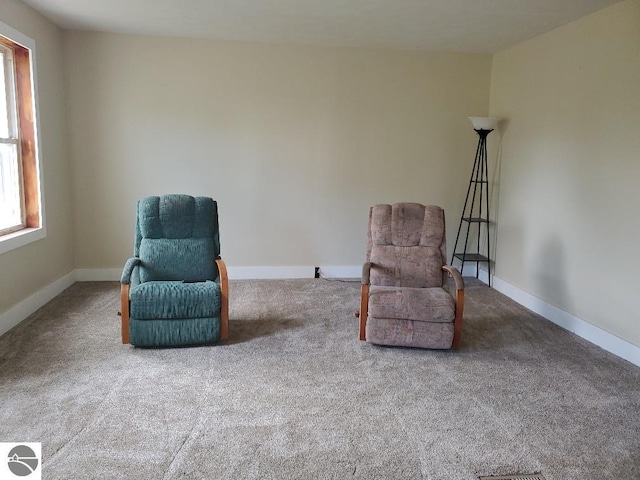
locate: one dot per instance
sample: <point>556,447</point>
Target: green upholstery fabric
<point>154,300</point>
<point>177,216</point>
<point>177,259</point>
<point>176,239</point>
<point>127,272</point>
<point>175,234</point>
<point>179,332</point>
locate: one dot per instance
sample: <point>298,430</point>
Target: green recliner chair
<point>174,291</point>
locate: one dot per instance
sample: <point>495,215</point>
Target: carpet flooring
<point>293,394</point>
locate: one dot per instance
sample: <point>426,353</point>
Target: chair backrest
<point>407,243</point>
<point>177,238</point>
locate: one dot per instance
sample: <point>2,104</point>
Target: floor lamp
<point>476,205</point>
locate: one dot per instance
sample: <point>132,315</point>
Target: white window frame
<point>25,236</point>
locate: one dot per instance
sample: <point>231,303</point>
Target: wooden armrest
<point>364,299</point>
<point>224,299</point>
<point>457,277</point>
<point>459,301</point>
<point>124,311</point>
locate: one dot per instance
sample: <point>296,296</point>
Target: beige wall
<point>295,143</point>
<point>26,270</point>
<point>568,229</point>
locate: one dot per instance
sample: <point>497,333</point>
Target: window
<point>11,212</point>
<point>20,195</point>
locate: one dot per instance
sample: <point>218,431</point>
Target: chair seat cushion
<point>405,303</point>
<point>174,299</point>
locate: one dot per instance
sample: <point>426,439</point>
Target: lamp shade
<point>484,123</point>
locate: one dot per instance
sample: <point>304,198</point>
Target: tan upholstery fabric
<point>407,244</point>
<point>408,304</point>
<point>418,267</point>
<point>420,304</point>
<point>407,225</point>
<point>409,333</point>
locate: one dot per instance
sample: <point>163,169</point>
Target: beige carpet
<point>294,395</point>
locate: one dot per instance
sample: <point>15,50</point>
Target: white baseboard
<point>26,307</point>
<point>263,273</point>
<point>341,271</point>
<point>98,274</point>
<point>570,322</point>
<point>580,327</point>
<point>260,273</point>
<point>239,273</point>
<point>235,273</point>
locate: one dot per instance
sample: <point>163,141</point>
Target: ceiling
<point>447,25</point>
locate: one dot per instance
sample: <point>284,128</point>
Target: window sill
<point>23,237</point>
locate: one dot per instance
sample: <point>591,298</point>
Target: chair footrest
<point>174,332</point>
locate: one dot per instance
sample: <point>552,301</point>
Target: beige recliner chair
<point>405,299</point>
